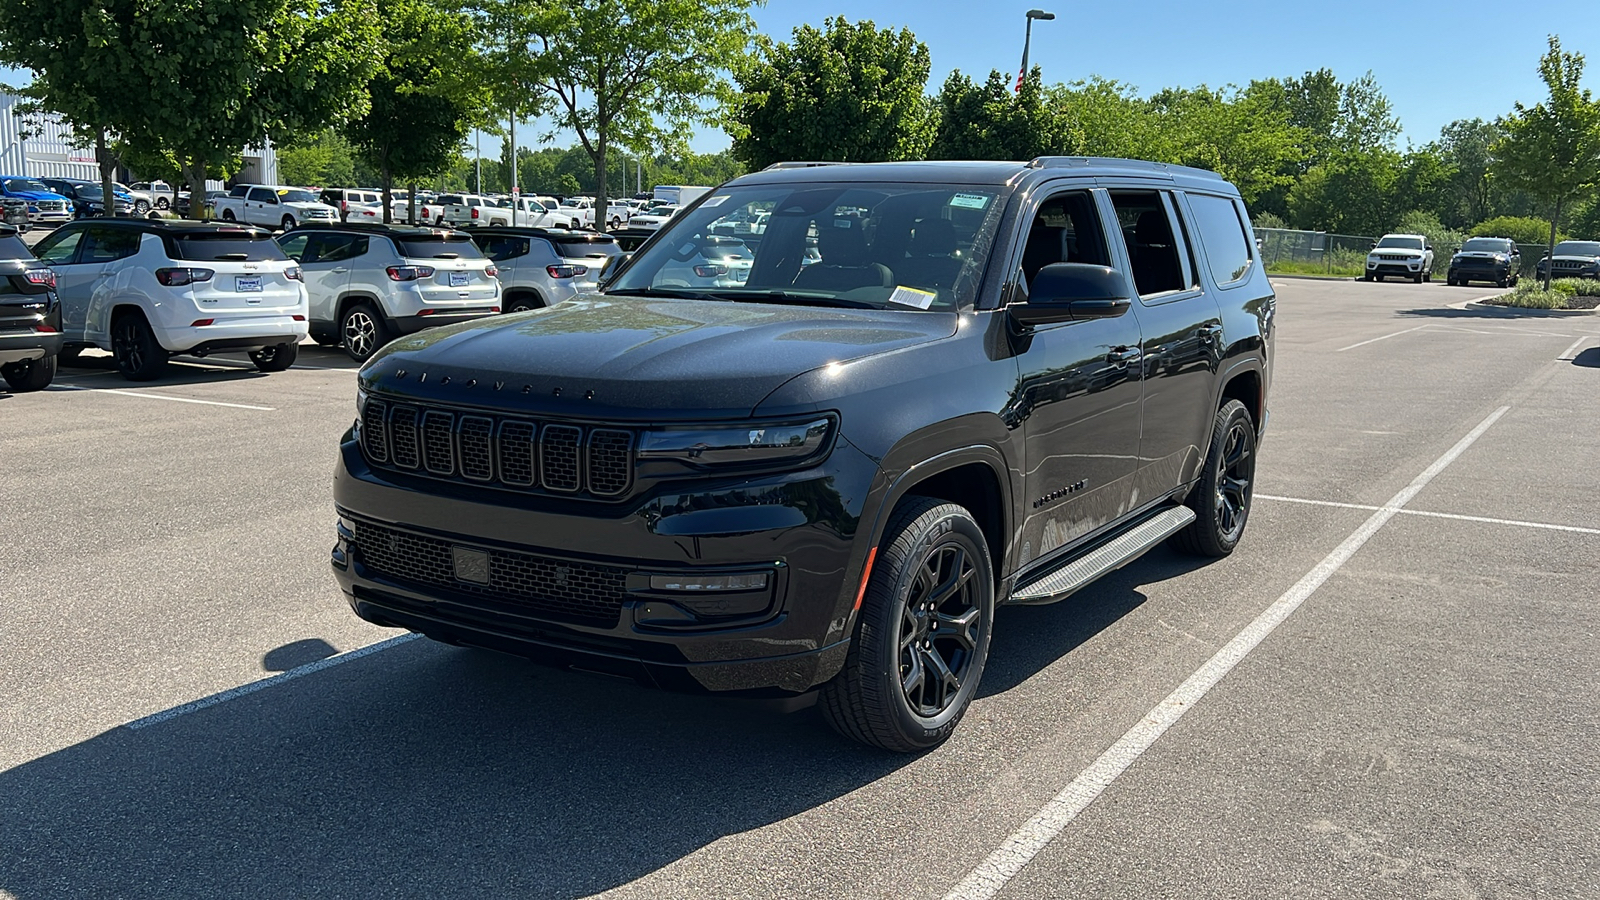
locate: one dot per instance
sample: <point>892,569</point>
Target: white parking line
<point>1572,352</point>
<point>1436,515</point>
<point>992,875</point>
<point>272,681</point>
<point>1377,339</point>
<point>146,396</point>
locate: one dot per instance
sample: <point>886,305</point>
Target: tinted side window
<point>109,244</point>
<point>1154,251</point>
<point>1067,228</point>
<point>1222,233</point>
<point>262,195</point>
<point>341,247</point>
<point>500,248</point>
<point>12,247</point>
<point>60,248</point>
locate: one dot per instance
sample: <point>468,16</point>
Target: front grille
<point>558,457</point>
<point>1572,264</point>
<point>52,205</point>
<point>1397,257</point>
<point>552,588</point>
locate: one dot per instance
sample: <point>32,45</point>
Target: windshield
<point>665,212</point>
<point>1486,245</point>
<point>297,196</point>
<point>1400,243</point>
<point>1578,248</point>
<point>26,184</point>
<point>884,246</point>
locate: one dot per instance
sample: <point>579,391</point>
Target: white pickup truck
<point>526,212</point>
<point>271,206</point>
<point>581,211</point>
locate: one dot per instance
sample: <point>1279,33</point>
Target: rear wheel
<point>524,302</point>
<point>139,356</point>
<point>227,215</point>
<point>276,358</point>
<point>363,332</point>
<point>163,203</point>
<point>30,374</point>
<point>1221,501</point>
<point>922,636</point>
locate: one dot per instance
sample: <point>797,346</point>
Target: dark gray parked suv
<point>927,390</point>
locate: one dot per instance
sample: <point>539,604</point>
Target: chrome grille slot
<point>548,587</point>
<point>475,435</point>
<point>516,453</point>
<point>438,450</point>
<point>559,447</point>
<point>375,431</point>
<point>403,437</point>
<point>610,466</point>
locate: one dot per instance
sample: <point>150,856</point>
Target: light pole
<point>1028,39</point>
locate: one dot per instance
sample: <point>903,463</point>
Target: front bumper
<point>785,642</point>
<point>1480,271</point>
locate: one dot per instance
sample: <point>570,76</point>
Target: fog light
<point>699,583</point>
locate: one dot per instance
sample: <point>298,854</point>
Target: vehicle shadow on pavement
<point>1589,358</point>
<point>1496,312</point>
<point>181,370</point>
<point>424,771</point>
<point>1029,638</point>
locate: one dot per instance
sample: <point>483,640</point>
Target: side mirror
<point>1372,245</point>
<point>1068,292</point>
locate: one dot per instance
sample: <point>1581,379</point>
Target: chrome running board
<point>1062,581</point>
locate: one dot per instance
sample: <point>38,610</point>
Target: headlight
<point>754,444</point>
<point>361,401</point>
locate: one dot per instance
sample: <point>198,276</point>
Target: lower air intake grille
<point>549,588</point>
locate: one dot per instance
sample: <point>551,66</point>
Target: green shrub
<point>1444,240</point>
<point>1529,295</point>
<point>1522,229</point>
<point>1268,220</point>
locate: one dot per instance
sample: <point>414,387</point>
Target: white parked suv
<point>273,207</point>
<point>148,290</point>
<point>1407,255</point>
<point>371,283</point>
<point>544,266</point>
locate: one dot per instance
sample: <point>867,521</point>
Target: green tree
<point>993,121</point>
<point>1238,135</point>
<point>325,160</point>
<point>424,98</point>
<point>629,73</point>
<point>846,93</point>
<point>1553,149</point>
<point>1522,229</point>
<point>1466,145</point>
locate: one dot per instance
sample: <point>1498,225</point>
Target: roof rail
<point>1105,162</point>
<point>797,164</point>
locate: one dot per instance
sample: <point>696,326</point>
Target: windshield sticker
<point>716,201</point>
<point>912,297</point>
<point>969,201</point>
<point>841,223</point>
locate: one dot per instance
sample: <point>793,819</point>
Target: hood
<point>1568,257</point>
<point>639,359</point>
<point>36,195</point>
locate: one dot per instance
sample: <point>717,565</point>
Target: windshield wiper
<point>675,293</point>
<point>791,297</point>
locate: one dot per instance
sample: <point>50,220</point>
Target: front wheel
<point>922,636</point>
<point>1221,501</point>
<point>139,356</point>
<point>30,374</point>
<point>276,358</point>
<point>141,207</point>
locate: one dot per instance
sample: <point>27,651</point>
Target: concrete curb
<point>1272,275</point>
<point>1479,306</point>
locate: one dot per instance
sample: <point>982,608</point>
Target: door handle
<point>1121,356</point>
<point>340,271</point>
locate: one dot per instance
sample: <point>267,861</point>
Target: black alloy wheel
<point>1221,500</point>
<point>276,358</point>
<point>922,635</point>
<point>139,357</point>
<point>30,374</point>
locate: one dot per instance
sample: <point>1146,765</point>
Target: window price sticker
<point>912,297</point>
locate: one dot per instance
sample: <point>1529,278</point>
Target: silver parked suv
<point>544,266</point>
<point>371,283</point>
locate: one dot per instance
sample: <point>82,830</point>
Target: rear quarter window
<point>222,246</point>
<point>12,247</point>
<point>1222,233</point>
<point>581,249</point>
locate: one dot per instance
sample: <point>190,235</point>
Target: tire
<point>163,203</point>
<point>277,358</point>
<point>525,302</point>
<point>362,331</point>
<point>930,548</point>
<point>1417,278</point>
<point>141,207</point>
<point>227,215</point>
<point>288,222</point>
<point>1451,280</point>
<point>1428,276</point>
<point>30,374</point>
<point>139,357</point>
<point>1221,500</point>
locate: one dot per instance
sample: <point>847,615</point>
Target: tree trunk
<point>601,205</point>
<point>411,205</point>
<point>194,173</point>
<point>108,195</point>
<point>388,195</point>
<point>1550,251</point>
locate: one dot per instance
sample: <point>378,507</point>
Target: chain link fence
<point>1292,252</point>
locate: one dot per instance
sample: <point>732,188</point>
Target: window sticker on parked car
<point>969,201</point>
<point>912,297</point>
<point>716,201</point>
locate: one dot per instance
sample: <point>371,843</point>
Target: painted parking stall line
<point>1571,353</point>
<point>1011,857</point>
<point>247,689</point>
<point>1488,520</point>
<point>148,396</point>
<point>1377,339</point>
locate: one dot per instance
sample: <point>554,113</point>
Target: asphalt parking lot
<point>1404,705</point>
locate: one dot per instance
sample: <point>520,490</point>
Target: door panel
<point>1182,341</point>
<point>1080,393</point>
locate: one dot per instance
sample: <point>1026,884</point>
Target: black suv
<point>30,316</point>
<point>1486,259</point>
<point>924,391</point>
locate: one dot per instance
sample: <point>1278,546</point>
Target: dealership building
<point>40,147</point>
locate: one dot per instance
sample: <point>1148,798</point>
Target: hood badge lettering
<point>400,373</point>
<point>588,395</point>
<point>556,392</point>
<point>499,385</point>
<point>444,380</point>
<point>423,378</point>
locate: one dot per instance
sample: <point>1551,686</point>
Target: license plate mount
<point>247,284</point>
<point>460,279</point>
